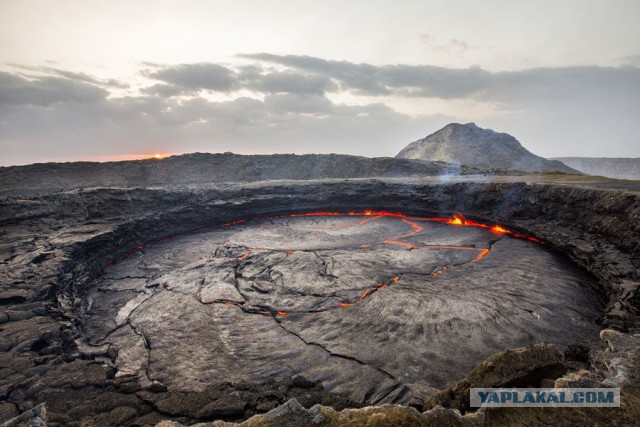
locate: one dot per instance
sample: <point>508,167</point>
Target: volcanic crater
<point>374,305</point>
<point>198,303</point>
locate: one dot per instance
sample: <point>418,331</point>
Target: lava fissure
<point>103,341</point>
<point>338,355</point>
<point>128,277</point>
<point>247,252</point>
<point>107,291</point>
<point>148,291</point>
<point>151,293</point>
<point>290,291</point>
<point>325,266</point>
<point>458,219</point>
<point>147,345</point>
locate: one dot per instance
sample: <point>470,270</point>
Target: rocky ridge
<point>205,168</point>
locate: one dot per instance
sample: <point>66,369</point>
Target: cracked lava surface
<point>375,305</point>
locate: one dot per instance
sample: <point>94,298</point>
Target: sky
<point>125,79</point>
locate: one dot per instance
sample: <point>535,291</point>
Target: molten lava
<point>457,219</point>
<point>370,215</point>
<point>498,230</point>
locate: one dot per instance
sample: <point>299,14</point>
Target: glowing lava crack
<point>373,304</point>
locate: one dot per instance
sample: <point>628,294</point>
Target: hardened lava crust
<point>129,306</point>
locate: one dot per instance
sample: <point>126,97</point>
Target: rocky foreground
<point>54,246</point>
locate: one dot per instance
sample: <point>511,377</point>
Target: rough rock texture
<point>471,145</point>
<point>624,168</point>
<point>617,365</point>
<point>301,295</point>
<point>35,417</point>
<point>202,168</point>
<point>53,246</point>
<point>293,414</point>
<point>523,367</point>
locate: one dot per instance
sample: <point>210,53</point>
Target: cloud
<point>164,90</point>
<point>453,45</point>
<point>70,75</point>
<point>284,104</point>
<point>366,79</point>
<point>67,125</point>
<point>515,87</point>
<point>290,82</point>
<point>195,77</point>
<point>17,90</point>
<point>632,60</point>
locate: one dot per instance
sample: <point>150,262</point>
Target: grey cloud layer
<point>196,76</point>
<point>192,78</point>
<point>430,81</point>
<point>16,90</point>
<point>51,118</point>
<point>575,110</point>
<point>311,75</point>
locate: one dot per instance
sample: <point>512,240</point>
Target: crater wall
<point>54,245</point>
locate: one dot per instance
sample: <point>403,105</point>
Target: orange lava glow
<point>227,224</point>
<point>483,254</point>
<point>371,215</point>
<point>498,230</point>
<point>395,241</point>
<point>355,224</point>
<point>456,220</point>
<point>459,219</point>
<point>364,294</point>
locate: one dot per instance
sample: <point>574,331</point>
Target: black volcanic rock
<point>471,145</point>
<point>522,367</point>
<point>205,168</point>
<point>53,245</point>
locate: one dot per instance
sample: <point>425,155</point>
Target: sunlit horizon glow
<point>107,158</point>
<point>85,80</point>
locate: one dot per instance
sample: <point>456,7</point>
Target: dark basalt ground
<point>142,341</point>
<point>204,168</point>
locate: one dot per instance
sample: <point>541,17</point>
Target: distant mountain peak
<point>464,125</point>
<point>472,145</point>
